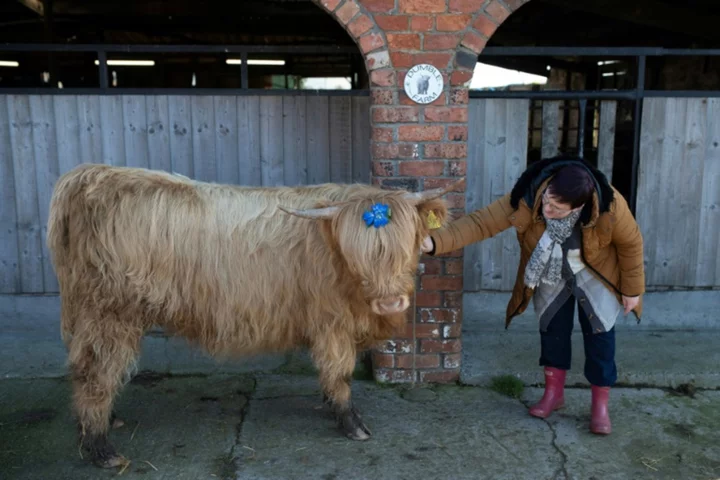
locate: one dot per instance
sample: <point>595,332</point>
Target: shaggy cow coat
<point>229,269</point>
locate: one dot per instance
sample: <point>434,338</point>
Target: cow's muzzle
<point>390,305</point>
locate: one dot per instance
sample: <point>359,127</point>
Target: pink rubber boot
<point>554,396</point>
<point>600,419</point>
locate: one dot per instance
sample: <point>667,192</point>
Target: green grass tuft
<point>507,385</point>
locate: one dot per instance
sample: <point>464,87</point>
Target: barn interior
<point>615,23</point>
<point>330,53</point>
<point>295,45</point>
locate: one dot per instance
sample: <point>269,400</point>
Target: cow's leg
<point>334,357</point>
<point>100,354</point>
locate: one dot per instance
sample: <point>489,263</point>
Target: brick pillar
<point>419,147</point>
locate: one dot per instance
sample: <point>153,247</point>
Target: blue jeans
<point>556,350</point>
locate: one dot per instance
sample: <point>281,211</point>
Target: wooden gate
<point>244,140</point>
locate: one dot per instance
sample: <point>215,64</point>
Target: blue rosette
<point>377,216</point>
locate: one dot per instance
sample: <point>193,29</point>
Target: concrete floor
<point>274,427</point>
<point>236,420</point>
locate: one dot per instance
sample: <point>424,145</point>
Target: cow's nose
<point>390,305</point>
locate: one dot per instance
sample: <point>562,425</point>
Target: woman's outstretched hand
<point>427,245</point>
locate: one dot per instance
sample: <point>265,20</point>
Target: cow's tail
<point>65,207</point>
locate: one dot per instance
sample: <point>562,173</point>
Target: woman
<point>579,243</point>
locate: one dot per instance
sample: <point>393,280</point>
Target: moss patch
<point>507,385</point>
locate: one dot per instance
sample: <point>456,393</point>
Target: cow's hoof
<point>360,433</point>
<point>111,461</point>
<point>353,426</point>
<point>102,453</point>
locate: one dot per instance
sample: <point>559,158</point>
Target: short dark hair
<point>572,185</point>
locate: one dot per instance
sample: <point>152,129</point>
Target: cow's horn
<point>327,212</point>
<point>419,197</point>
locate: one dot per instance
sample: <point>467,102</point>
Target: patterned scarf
<point>545,264</point>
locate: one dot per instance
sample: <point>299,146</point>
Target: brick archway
<point>369,37</point>
<point>484,23</point>
<point>422,146</point>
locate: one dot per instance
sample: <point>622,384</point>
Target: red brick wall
<point>419,147</point>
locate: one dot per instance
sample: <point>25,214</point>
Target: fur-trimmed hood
<point>526,188</point>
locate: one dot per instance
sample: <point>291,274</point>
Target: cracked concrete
<point>276,427</point>
<point>562,468</point>
<point>563,455</point>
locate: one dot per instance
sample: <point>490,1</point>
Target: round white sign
<point>423,83</point>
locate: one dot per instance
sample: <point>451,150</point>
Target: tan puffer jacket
<point>612,245</point>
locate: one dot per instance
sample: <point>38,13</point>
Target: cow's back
<point>216,263</point>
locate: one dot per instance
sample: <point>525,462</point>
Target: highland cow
<point>235,270</point>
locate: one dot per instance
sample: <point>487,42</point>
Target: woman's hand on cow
<point>629,303</point>
<point>428,245</point>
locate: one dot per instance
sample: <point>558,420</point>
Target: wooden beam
<point>536,65</point>
<point>34,5</point>
<point>580,29</point>
<point>177,8</point>
<point>672,18</point>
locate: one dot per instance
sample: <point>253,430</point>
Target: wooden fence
<point>497,155</point>
<point>678,187</point>
<point>244,140</point>
<point>679,191</point>
<point>287,140</point>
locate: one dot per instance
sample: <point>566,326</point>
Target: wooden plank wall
<point>263,140</point>
<point>497,155</point>
<point>679,191</point>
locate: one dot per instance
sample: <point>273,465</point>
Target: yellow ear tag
<point>433,221</point>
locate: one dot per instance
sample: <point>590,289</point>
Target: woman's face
<point>555,210</point>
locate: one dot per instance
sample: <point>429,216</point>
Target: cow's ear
<point>434,213</point>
